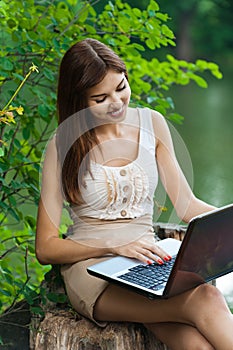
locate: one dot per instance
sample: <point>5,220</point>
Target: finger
<point>143,258</point>
<point>155,249</point>
<point>152,257</point>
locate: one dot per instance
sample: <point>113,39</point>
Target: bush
<point>37,33</point>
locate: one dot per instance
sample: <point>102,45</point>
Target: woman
<point>104,161</point>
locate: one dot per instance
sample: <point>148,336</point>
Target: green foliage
<point>40,31</point>
<point>209,21</point>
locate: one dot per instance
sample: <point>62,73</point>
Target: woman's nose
<point>115,98</point>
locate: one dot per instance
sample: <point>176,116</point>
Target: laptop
<point>205,253</point>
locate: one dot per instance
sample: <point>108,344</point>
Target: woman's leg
<point>203,308</point>
<point>179,336</point>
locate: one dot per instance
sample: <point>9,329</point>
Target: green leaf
<point>7,64</point>
<point>166,31</point>
<point>162,16</point>
<point>31,249</point>
<point>90,29</point>
<point>4,205</point>
<point>137,12</point>
<point>43,110</point>
<point>12,201</point>
<point>18,76</point>
<point>37,310</point>
<point>49,74</point>
<point>14,214</point>
<point>202,64</point>
<point>153,6</point>
<point>161,109</point>
<point>16,184</point>
<point>175,117</point>
<point>83,15</point>
<point>17,143</point>
<point>92,11</point>
<point>5,292</point>
<point>52,297</point>
<point>170,102</point>
<point>119,4</point>
<point>41,43</point>
<point>150,44</point>
<point>26,133</point>
<point>138,47</point>
<point>171,58</point>
<point>199,80</point>
<point>56,44</point>
<point>30,220</point>
<point>1,152</point>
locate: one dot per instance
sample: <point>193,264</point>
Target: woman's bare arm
<point>50,248</point>
<point>172,177</point>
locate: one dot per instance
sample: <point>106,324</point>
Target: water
<point>207,132</point>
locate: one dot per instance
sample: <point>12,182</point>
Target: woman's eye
<point>102,100</point>
<point>121,88</point>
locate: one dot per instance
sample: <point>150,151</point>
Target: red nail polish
<point>149,262</point>
<point>167,258</point>
<point>160,262</point>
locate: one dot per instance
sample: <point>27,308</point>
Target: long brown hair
<point>83,66</point>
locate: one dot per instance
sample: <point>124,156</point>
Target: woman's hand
<point>144,250</point>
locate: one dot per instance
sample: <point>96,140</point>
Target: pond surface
<point>207,132</point>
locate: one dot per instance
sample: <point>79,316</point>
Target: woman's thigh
<point>119,304</point>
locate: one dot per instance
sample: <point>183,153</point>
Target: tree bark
<point>65,330</point>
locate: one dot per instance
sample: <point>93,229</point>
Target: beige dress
<point>117,209</point>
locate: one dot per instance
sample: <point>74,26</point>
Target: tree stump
<point>62,328</point>
<point>65,331</point>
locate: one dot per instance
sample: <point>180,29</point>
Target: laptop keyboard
<point>153,276</point>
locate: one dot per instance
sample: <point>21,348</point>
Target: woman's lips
<point>117,113</point>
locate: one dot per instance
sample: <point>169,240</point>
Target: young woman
<point>104,162</point>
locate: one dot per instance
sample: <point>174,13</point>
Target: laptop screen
<point>207,252</point>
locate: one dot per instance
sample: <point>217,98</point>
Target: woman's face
<point>108,100</point>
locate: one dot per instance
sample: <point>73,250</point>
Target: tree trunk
<point>64,330</point>
<point>184,46</point>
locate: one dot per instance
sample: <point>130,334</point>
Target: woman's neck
<point>118,130</point>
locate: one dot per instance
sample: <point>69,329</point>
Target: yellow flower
<point>34,68</point>
<point>7,117</point>
<point>10,117</point>
<point>163,208</point>
<point>160,208</point>
<point>20,110</point>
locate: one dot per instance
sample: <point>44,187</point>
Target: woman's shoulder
<point>161,129</point>
<point>160,125</point>
<point>157,117</point>
<point>159,122</point>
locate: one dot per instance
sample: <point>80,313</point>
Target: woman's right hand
<point>144,250</point>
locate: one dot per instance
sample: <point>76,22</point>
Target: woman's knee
<point>207,304</point>
<point>207,293</point>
